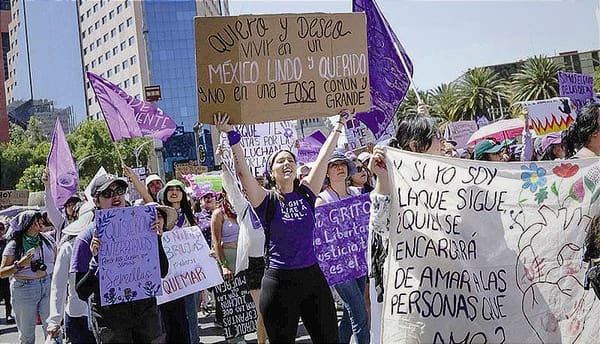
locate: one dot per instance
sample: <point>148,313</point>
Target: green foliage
<point>23,150</point>
<point>31,179</point>
<point>536,80</point>
<point>478,91</point>
<point>444,103</point>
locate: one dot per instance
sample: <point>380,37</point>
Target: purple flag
<point>310,146</point>
<point>577,87</point>
<point>389,78</point>
<point>128,117</point>
<point>62,171</point>
<point>341,237</point>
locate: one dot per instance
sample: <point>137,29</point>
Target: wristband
<point>223,262</point>
<point>338,131</point>
<point>233,137</point>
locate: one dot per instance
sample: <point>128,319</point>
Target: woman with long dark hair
<point>293,285</point>
<point>582,139</point>
<point>28,260</point>
<point>173,195</point>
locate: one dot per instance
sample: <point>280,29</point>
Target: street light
<point>80,162</point>
<point>137,152</point>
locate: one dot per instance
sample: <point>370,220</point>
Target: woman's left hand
<point>345,116</point>
<point>227,273</point>
<point>156,226</point>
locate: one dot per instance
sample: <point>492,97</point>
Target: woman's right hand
<point>26,259</point>
<point>95,245</point>
<point>377,163</point>
<point>222,122</point>
<point>128,171</point>
<point>53,331</point>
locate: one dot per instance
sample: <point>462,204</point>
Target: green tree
<point>25,148</point>
<point>444,99</point>
<point>93,148</point>
<point>537,79</point>
<point>478,91</point>
<point>31,179</point>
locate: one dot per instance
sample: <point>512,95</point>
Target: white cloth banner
<point>191,268</point>
<point>489,252</point>
<point>260,140</point>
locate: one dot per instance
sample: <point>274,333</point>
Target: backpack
<point>271,201</point>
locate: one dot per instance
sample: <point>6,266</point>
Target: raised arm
<point>317,174</point>
<point>137,184</point>
<point>256,194</point>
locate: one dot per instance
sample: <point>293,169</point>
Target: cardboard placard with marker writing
<point>264,68</point>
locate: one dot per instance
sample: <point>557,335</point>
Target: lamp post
<point>137,152</point>
<point>80,162</point>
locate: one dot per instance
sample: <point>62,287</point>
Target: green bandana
<point>30,242</point>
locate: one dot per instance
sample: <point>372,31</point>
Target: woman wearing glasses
<point>28,260</point>
<point>361,177</point>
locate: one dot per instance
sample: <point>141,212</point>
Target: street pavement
<point>209,332</point>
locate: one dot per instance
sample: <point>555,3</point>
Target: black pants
<point>288,295</point>
<point>5,295</point>
<point>175,321</point>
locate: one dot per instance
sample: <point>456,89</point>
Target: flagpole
<point>394,41</point>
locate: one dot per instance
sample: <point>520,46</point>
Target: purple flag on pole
<point>62,171</point>
<point>128,117</point>
<point>389,78</point>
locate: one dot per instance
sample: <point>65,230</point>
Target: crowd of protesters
<point>51,257</point>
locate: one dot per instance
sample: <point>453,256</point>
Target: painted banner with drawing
<point>550,115</point>
<point>259,141</point>
<point>489,252</point>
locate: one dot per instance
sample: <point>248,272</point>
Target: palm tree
<point>537,79</point>
<point>478,91</point>
<point>444,101</point>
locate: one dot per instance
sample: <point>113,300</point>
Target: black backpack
<point>271,201</point>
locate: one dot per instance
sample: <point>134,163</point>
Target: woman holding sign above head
<point>293,286</point>
<point>355,319</point>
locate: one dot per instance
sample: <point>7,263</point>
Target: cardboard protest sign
<point>489,252</point>
<point>550,115</point>
<point>191,268</point>
<point>310,146</point>
<point>264,68</point>
<point>190,167</point>
<point>357,134</point>
<point>239,311</point>
<point>13,197</point>
<point>461,131</point>
<point>341,237</point>
<point>128,263</point>
<point>259,141</point>
<point>577,87</point>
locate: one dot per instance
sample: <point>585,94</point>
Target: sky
<point>444,38</point>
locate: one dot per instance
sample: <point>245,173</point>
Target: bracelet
<point>223,262</point>
<point>338,131</point>
<point>233,137</point>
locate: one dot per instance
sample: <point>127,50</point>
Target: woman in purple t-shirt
<point>293,285</point>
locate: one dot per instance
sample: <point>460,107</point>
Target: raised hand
<point>222,122</point>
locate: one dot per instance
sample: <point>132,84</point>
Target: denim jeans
<point>30,298</point>
<point>77,331</point>
<point>355,319</point>
<point>191,302</point>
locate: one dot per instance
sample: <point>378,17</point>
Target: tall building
<point>45,112</point>
<point>139,43</point>
<point>4,47</point>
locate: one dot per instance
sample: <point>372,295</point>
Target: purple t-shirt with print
<point>291,231</point>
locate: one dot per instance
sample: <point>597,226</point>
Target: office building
<point>573,61</point>
<point>20,112</point>
<point>139,43</point>
<point>5,16</point>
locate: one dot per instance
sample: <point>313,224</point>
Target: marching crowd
<point>50,257</point>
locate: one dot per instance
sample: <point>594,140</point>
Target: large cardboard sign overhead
<point>264,68</point>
